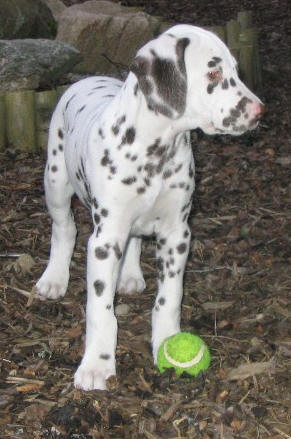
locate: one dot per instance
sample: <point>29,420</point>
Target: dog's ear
<point>163,81</point>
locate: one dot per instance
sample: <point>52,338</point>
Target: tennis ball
<point>185,352</point>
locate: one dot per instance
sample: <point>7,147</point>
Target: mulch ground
<point>237,285</point>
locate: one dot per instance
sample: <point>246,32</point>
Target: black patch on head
<point>214,61</point>
<point>104,357</point>
<point>180,51</point>
<point>224,84</point>
<point>232,82</point>
<point>101,253</point>
<point>54,168</point>
<point>211,87</point>
<point>129,180</point>
<point>182,248</point>
<point>60,133</point>
<point>117,251</point>
<point>171,85</point>
<point>99,287</point>
<point>242,103</point>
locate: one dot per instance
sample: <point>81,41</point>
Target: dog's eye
<point>214,76</point>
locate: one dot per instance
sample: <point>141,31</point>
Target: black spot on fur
<point>108,307</point>
<point>54,168</point>
<point>104,357</point>
<point>117,251</point>
<point>135,90</point>
<point>141,190</point>
<point>162,301</point>
<point>214,61</point>
<point>81,109</point>
<point>232,82</point>
<point>101,134</point>
<point>101,253</point>
<point>129,180</point>
<point>180,51</point>
<point>167,174</point>
<point>61,148</point>
<point>104,212</point>
<point>129,135</point>
<point>99,287</point>
<point>95,203</point>
<point>225,84</point>
<point>67,104</point>
<point>182,248</point>
<point>60,133</point>
<point>96,218</point>
<point>54,152</point>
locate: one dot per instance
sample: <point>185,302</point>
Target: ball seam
<point>185,364</point>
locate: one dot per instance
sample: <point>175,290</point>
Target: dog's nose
<point>259,110</point>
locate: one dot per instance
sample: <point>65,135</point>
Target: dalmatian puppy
<point>124,149</point>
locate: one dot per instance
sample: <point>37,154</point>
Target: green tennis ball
<point>185,352</point>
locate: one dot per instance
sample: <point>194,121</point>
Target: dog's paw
<point>92,378</point>
<point>52,285</point>
<point>131,285</point>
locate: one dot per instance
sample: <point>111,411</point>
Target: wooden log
<point>2,123</point>
<point>245,19</point>
<point>232,37</point>
<point>45,102</point>
<point>61,90</point>
<point>247,57</point>
<point>20,120</point>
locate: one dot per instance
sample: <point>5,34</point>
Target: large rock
<point>26,19</point>
<point>107,34</point>
<point>30,64</point>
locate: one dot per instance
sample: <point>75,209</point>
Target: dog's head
<point>188,72</point>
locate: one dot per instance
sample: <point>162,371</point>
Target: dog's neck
<point>149,124</point>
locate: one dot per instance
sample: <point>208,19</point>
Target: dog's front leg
<point>172,252</point>
<point>104,257</point>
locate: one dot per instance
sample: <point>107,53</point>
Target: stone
<point>57,7</point>
<point>26,19</point>
<point>30,64</point>
<point>107,34</point>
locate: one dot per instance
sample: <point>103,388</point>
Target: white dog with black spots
<point>124,149</point>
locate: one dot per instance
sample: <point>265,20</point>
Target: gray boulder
<point>31,64</point>
<point>107,34</point>
<point>26,19</point>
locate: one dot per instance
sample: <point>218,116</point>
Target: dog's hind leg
<point>58,191</point>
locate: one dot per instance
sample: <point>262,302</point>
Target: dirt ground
<point>237,285</point>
